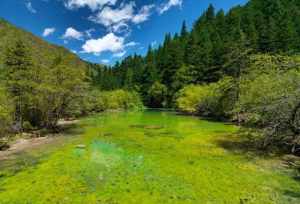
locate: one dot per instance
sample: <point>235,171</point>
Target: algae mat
<point>145,157</point>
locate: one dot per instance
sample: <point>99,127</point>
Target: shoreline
<point>28,143</point>
<point>24,144</point>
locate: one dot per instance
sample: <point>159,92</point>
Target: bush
<point>213,100</point>
<point>121,99</point>
<point>270,98</point>
<point>190,97</point>
<point>98,101</point>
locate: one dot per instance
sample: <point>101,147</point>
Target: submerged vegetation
<point>148,157</point>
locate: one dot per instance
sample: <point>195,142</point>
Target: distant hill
<point>42,52</point>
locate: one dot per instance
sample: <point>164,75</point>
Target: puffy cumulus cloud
<point>48,31</point>
<point>109,42</point>
<point>72,33</point>
<point>30,7</point>
<point>165,7</point>
<point>117,19</point>
<point>92,4</point>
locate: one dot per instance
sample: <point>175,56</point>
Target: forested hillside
<point>218,45</point>
<point>42,52</point>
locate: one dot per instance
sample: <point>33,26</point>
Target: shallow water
<point>144,157</point>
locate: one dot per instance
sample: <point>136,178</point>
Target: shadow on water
<point>64,129</point>
<point>248,143</point>
<point>72,129</point>
<point>292,194</point>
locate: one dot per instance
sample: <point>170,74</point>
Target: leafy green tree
<point>157,95</point>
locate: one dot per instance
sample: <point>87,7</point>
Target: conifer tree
<point>19,72</point>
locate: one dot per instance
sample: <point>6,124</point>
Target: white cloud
<point>120,27</point>
<point>117,20</point>
<point>105,61</point>
<point>74,51</point>
<point>92,4</point>
<point>29,7</point>
<point>108,16</point>
<point>143,14</point>
<point>119,54</point>
<point>89,32</point>
<point>72,33</point>
<point>131,44</point>
<point>165,7</point>
<point>109,42</point>
<point>48,31</point>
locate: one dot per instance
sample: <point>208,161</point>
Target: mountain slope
<point>43,53</point>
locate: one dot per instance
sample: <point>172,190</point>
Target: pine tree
<point>19,66</point>
<point>184,32</point>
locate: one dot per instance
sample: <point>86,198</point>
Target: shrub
<point>213,100</point>
<point>190,97</point>
<point>98,101</point>
<point>270,98</point>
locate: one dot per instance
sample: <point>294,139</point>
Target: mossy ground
<point>146,157</point>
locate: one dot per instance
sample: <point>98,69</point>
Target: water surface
<point>145,157</point>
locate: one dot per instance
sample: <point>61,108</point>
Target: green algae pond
<point>145,157</point>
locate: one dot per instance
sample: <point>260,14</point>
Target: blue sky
<point>106,31</point>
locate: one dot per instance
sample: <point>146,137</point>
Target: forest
<point>241,66</point>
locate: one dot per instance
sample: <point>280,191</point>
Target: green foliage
<point>19,78</point>
<point>270,96</point>
<point>190,97</point>
<point>41,95</point>
<point>98,101</point>
<point>213,100</point>
<point>157,95</point>
<point>121,99</point>
<point>6,110</point>
<point>42,53</point>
